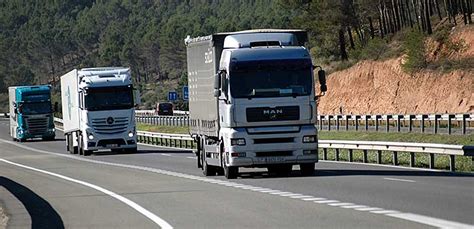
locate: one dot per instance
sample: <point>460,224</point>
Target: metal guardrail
<point>164,120</point>
<point>362,122</point>
<point>186,142</point>
<point>153,113</point>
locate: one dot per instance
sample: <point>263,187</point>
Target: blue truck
<point>31,113</point>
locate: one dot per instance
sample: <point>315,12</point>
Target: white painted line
<point>384,165</point>
<point>326,201</point>
<point>340,204</point>
<point>430,221</point>
<point>395,179</point>
<point>313,199</point>
<point>191,158</point>
<point>280,193</point>
<point>385,212</point>
<point>300,196</point>
<point>369,209</point>
<point>157,220</point>
<point>290,195</point>
<point>354,206</point>
<point>407,216</point>
<point>165,154</point>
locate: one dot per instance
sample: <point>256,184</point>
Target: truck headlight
<point>130,134</point>
<point>237,141</point>
<point>309,139</point>
<point>91,137</point>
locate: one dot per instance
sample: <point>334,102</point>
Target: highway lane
<point>329,182</point>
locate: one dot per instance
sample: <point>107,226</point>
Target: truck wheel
<point>208,170</point>
<point>230,172</point>
<point>87,152</point>
<point>307,169</point>
<point>51,138</point>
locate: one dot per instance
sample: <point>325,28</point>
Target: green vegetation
<point>163,129</point>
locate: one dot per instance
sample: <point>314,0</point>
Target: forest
<point>41,40</point>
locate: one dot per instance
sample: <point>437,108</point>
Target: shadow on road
<point>41,212</point>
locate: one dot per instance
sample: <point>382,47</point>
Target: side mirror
<point>136,97</point>
<point>322,80</point>
<point>56,107</point>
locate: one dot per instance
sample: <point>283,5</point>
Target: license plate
<point>112,145</point>
<point>270,160</point>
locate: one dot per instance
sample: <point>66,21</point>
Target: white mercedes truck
<point>98,107</point>
<point>252,101</point>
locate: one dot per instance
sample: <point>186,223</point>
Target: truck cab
<point>31,113</point>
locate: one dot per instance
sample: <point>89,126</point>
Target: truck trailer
<point>31,113</point>
<point>252,101</point>
<point>98,107</point>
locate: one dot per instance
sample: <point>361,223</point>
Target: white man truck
<point>252,101</point>
<point>98,107</point>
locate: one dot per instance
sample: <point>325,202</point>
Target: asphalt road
<point>43,186</point>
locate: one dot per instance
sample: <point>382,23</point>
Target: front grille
<point>272,140</point>
<point>101,126</point>
<point>37,125</point>
<point>265,114</point>
<point>274,154</point>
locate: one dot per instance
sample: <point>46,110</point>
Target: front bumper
<point>291,150</point>
<point>115,141</point>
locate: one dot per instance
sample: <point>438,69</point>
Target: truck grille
<point>105,126</point>
<point>273,140</point>
<point>265,114</point>
<point>274,154</point>
<point>37,125</point>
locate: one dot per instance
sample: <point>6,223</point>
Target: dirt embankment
<point>382,87</point>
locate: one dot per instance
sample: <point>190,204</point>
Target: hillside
<point>381,87</point>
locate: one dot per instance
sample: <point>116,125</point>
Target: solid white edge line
<point>396,179</point>
<point>435,222</point>
<point>157,220</point>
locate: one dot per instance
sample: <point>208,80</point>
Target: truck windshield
<point>109,98</point>
<point>275,78</point>
<point>36,108</point>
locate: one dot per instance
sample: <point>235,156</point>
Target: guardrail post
<point>337,122</point>
<point>321,122</point>
<point>464,124</point>
<point>325,154</point>
<point>388,117</point>
<point>357,122</point>
<point>412,159</point>
<point>449,124</point>
<point>377,122</point>
<point>432,161</point>
<point>329,122</point>
<point>399,122</point>
<point>367,122</point>
<point>395,158</point>
<point>379,157</point>
<point>452,163</point>
<point>337,154</point>
<point>422,124</point>
<point>347,122</point>
<point>365,157</point>
<point>436,121</point>
<point>350,154</point>
<point>410,123</point>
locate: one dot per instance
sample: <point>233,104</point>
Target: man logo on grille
<point>110,120</point>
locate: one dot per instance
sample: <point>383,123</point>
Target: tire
<point>51,138</point>
<point>198,154</point>
<point>87,152</point>
<point>231,172</point>
<point>131,150</point>
<point>307,169</point>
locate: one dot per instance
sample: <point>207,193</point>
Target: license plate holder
<point>112,145</point>
<point>270,160</point>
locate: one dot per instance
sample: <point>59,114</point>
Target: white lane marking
<point>340,204</point>
<point>313,199</point>
<point>157,220</point>
<point>421,219</point>
<point>299,196</point>
<point>396,179</point>
<point>191,158</point>
<point>368,209</point>
<point>326,201</point>
<point>430,221</point>
<point>384,165</point>
<point>165,154</point>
